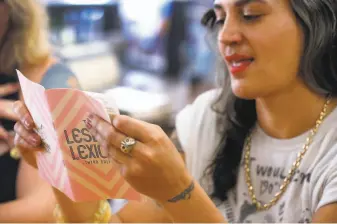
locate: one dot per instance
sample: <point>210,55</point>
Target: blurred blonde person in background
<point>24,45</point>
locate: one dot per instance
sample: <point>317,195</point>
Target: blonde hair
<point>26,39</point>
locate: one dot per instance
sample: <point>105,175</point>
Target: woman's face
<point>4,16</point>
<point>261,43</point>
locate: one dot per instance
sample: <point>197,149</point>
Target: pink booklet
<point>73,161</point>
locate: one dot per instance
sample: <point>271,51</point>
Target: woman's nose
<point>230,33</point>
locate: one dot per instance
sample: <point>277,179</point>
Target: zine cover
<point>73,161</point>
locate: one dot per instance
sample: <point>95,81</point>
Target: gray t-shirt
<point>313,186</point>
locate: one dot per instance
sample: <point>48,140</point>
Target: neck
<point>289,114</point>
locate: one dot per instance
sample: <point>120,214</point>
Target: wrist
<point>181,190</point>
<point>193,206</point>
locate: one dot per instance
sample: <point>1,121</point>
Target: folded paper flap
<point>108,102</point>
<point>36,102</point>
<point>26,84</point>
<point>87,163</point>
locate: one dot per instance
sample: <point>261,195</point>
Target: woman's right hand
<point>26,140</point>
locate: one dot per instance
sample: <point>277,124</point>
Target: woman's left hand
<point>154,167</point>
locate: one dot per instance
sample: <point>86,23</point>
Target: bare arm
<point>35,201</point>
<point>191,205</point>
<point>6,105</point>
<point>145,212</point>
<point>196,208</point>
<point>133,212</point>
<point>175,139</point>
<point>326,214</point>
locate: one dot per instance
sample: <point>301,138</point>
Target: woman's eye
<point>219,22</point>
<point>251,17</point>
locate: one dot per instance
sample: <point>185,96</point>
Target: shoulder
<point>197,113</point>
<point>324,179</point>
<point>324,165</point>
<point>196,131</point>
<point>201,106</point>
<point>326,152</point>
<point>58,75</point>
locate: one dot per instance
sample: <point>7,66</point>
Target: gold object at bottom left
<point>15,153</point>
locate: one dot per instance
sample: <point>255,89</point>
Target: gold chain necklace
<point>291,173</point>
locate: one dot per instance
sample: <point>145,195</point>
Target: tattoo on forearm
<point>185,195</point>
<point>176,142</point>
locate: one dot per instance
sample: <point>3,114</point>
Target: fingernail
<point>27,121</point>
<point>27,124</point>
<point>34,140</point>
<point>104,147</point>
<point>88,124</point>
<point>123,171</point>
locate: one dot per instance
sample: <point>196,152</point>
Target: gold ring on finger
<point>127,145</point>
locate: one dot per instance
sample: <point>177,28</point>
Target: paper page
<point>73,161</point>
<point>36,102</point>
<point>91,171</point>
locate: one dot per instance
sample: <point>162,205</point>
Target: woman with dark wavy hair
<point>260,149</point>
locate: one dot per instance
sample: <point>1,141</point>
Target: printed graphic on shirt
<point>306,216</point>
<point>281,211</point>
<point>268,218</point>
<point>235,199</point>
<point>268,181</point>
<point>271,177</point>
<point>246,209</point>
<point>229,213</point>
<point>252,159</point>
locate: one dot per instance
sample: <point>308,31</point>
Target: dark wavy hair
<point>318,69</point>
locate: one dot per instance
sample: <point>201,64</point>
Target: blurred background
<point>151,55</point>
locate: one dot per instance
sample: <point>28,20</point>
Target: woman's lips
<point>238,63</point>
<point>239,66</point>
